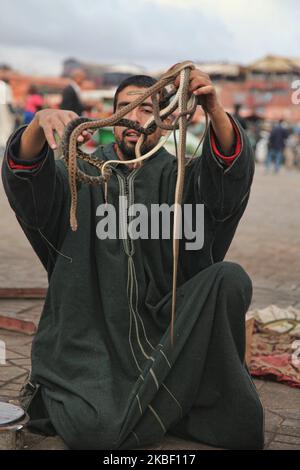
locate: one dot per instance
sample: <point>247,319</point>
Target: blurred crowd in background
<point>259,97</point>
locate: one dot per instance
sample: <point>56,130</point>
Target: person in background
<point>34,102</point>
<point>238,117</point>
<point>71,95</point>
<point>6,112</point>
<point>292,142</point>
<point>276,146</point>
<point>261,148</point>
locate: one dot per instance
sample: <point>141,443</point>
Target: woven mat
<point>275,347</point>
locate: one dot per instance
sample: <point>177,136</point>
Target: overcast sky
<point>35,35</point>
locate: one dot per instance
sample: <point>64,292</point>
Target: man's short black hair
<point>140,81</point>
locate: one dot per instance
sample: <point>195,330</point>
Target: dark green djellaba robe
<point>107,375</point>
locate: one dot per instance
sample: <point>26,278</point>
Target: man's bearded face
<point>126,139</point>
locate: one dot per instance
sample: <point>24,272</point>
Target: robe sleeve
<point>37,191</point>
<point>224,188</point>
<point>227,160</point>
<point>225,185</point>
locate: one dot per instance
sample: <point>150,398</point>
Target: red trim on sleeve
<point>229,159</point>
<point>14,166</point>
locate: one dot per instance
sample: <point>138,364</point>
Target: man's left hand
<point>201,85</point>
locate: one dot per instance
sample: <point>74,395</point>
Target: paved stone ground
<point>267,244</point>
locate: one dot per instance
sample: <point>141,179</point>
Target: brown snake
<point>181,102</point>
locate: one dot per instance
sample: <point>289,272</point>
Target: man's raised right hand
<point>55,120</point>
<point>41,130</point>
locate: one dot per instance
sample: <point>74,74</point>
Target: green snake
<point>184,103</point>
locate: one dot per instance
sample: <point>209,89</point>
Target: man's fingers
<point>205,90</point>
<point>88,135</point>
<point>54,126</point>
<point>84,136</point>
<point>48,131</point>
<point>57,124</point>
<point>198,82</point>
<point>68,117</point>
<point>195,74</point>
<point>59,127</point>
<point>72,115</point>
